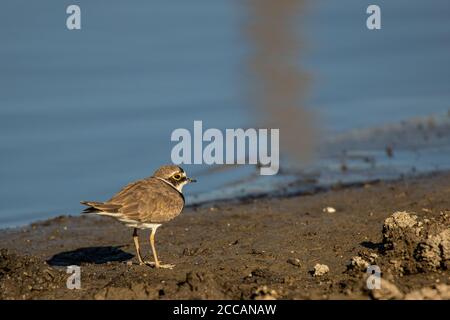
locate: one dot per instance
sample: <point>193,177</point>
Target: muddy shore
<point>265,248</point>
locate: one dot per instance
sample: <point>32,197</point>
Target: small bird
<point>146,204</point>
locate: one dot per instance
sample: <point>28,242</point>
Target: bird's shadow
<point>96,255</point>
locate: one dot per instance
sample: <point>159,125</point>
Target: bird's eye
<point>177,176</point>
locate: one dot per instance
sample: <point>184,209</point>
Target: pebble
<point>329,210</point>
<point>294,262</point>
<point>320,270</point>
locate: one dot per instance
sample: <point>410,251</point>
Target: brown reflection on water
<point>276,84</point>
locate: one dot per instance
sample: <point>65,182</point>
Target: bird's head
<point>174,175</point>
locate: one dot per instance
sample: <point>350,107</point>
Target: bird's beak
<point>191,180</point>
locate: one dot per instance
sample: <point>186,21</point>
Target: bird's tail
<point>102,208</point>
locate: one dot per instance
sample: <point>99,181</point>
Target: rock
<point>445,248</point>
<point>396,266</point>
<point>329,210</point>
<point>399,225</point>
<point>358,263</point>
<point>417,246</point>
<point>387,291</point>
<point>294,262</point>
<point>429,252</point>
<point>373,257</point>
<point>320,270</point>
<point>434,252</point>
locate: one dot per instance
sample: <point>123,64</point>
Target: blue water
<point>84,112</point>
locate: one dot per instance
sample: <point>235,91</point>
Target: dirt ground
<point>265,248</point>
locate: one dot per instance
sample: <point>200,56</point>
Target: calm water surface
<point>84,112</point>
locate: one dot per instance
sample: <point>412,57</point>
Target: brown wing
<point>149,200</point>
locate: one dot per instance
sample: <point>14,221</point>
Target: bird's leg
<point>136,244</point>
<point>152,243</point>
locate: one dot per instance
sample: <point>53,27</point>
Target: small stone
<point>294,262</point>
<point>329,210</point>
<point>320,270</point>
<point>358,263</point>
